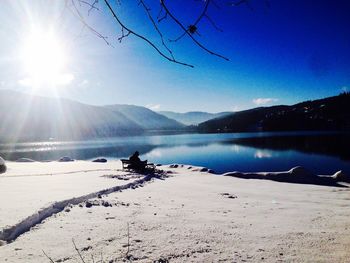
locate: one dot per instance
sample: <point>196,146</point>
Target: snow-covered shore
<point>185,216</point>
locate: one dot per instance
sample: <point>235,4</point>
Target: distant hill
<point>25,118</point>
<point>331,113</point>
<point>193,117</point>
<point>146,118</point>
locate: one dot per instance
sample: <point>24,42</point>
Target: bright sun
<point>43,59</point>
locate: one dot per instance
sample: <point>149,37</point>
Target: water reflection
<point>328,144</point>
<point>236,148</point>
<point>262,154</point>
<point>247,152</point>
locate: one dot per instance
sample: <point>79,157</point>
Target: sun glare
<point>43,59</point>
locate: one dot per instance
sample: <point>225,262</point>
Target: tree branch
<point>143,38</point>
<point>92,6</point>
<point>188,32</point>
<point>156,28</point>
<point>82,20</point>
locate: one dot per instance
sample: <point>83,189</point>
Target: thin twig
<point>144,38</point>
<point>156,28</point>
<point>92,6</point>
<point>237,3</point>
<point>159,17</point>
<point>51,260</point>
<point>82,20</point>
<point>179,37</point>
<point>162,2</point>
<point>202,14</point>
<point>127,252</point>
<point>76,249</point>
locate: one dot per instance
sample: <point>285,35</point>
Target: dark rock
<point>86,248</point>
<point>100,160</point>
<point>106,204</point>
<point>66,159</point>
<point>161,260</point>
<point>25,160</point>
<point>88,204</point>
<point>2,166</point>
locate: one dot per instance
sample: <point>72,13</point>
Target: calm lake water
<point>323,153</point>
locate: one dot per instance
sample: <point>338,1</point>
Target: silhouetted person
<point>136,163</point>
<point>135,158</point>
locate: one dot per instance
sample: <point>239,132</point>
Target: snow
<point>189,215</point>
<point>28,187</point>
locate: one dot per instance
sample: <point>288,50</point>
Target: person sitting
<point>135,157</point>
<point>136,163</point>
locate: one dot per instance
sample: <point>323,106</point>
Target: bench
<point>127,164</point>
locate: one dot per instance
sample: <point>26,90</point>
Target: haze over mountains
<point>26,118</point>
<point>145,117</point>
<point>193,117</point>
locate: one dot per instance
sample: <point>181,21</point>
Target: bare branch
<point>156,28</point>
<point>159,17</point>
<point>76,249</point>
<point>143,38</point>
<point>179,37</point>
<point>92,6</point>
<point>213,23</point>
<point>194,25</point>
<point>82,20</point>
<point>128,233</point>
<point>202,14</point>
<point>49,258</point>
<point>124,35</point>
<point>237,3</point>
<point>188,32</point>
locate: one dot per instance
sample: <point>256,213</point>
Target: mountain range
<point>332,113</point>
<point>146,118</point>
<point>193,117</point>
<point>25,117</point>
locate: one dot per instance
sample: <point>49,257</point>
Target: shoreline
<point>187,215</point>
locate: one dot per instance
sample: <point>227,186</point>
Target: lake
<point>320,152</point>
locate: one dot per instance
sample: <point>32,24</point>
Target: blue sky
<point>283,53</point>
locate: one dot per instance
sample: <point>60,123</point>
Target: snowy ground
<point>27,187</point>
<point>189,216</point>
